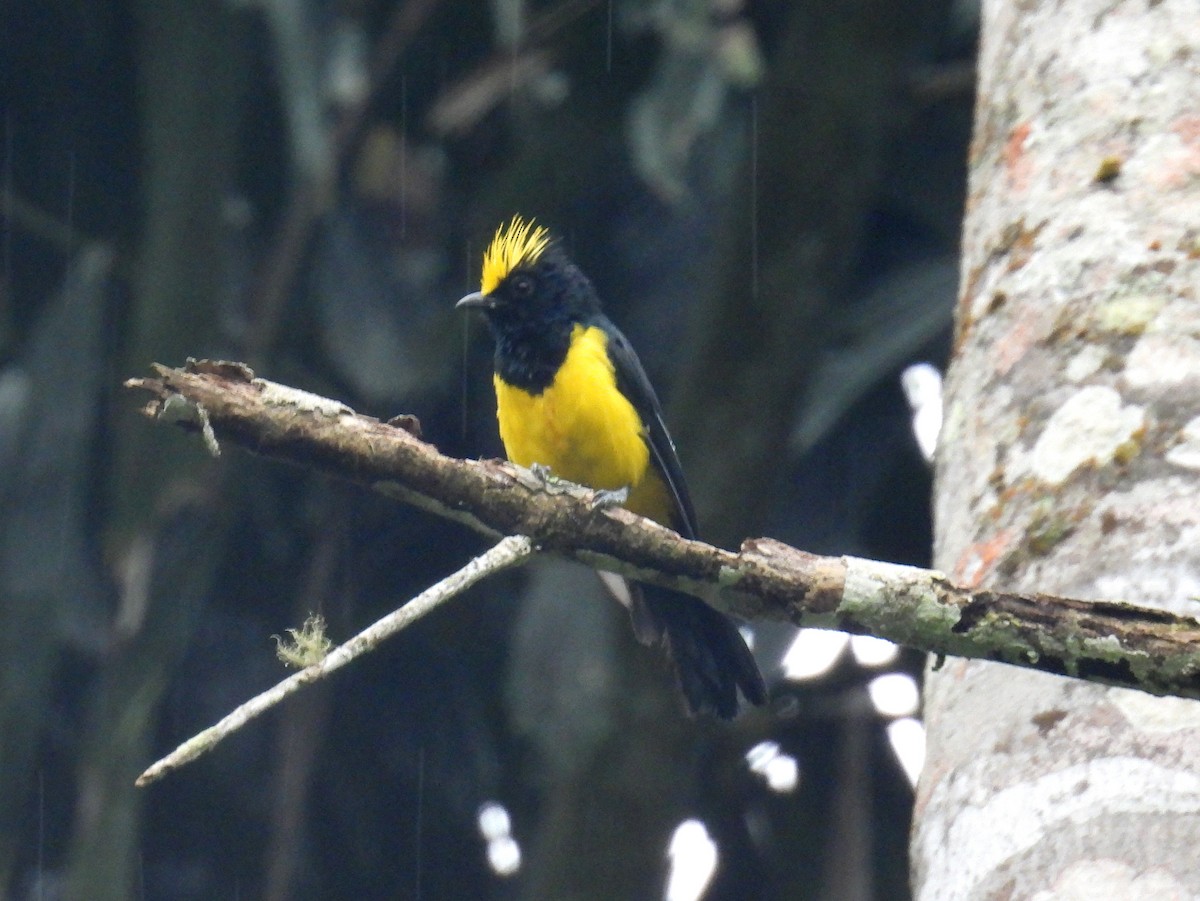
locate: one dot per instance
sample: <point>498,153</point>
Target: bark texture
<point>1070,451</point>
<point>1109,642</point>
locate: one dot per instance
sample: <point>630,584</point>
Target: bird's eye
<point>522,286</point>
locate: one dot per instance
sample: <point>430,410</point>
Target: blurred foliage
<point>767,196</point>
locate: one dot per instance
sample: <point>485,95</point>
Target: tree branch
<point>1114,643</point>
<point>510,551</point>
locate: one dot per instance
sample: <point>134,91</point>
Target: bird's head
<point>529,286</point>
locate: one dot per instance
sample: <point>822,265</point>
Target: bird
<point>573,401</point>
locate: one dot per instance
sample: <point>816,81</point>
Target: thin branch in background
<point>510,551</point>
<point>465,103</point>
<point>25,216</point>
<point>403,26</point>
<point>556,18</point>
<point>462,106</point>
<point>309,199</point>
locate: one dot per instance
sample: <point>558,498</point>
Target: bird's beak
<point>476,301</point>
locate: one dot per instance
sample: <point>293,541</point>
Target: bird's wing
<point>633,383</point>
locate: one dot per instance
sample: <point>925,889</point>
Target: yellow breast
<point>581,427</point>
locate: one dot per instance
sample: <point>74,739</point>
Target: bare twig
<point>21,214</point>
<point>1114,643</point>
<point>464,103</point>
<point>310,199</point>
<point>510,551</point>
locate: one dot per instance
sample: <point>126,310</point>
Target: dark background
<point>767,196</point>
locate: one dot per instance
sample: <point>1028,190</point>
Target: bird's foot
<point>543,473</point>
<point>604,498</point>
<point>549,482</point>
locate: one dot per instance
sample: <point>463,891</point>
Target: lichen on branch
<point>1101,641</point>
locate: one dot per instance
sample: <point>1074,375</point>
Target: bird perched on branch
<point>572,397</point>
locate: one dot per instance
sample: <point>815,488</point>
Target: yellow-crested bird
<point>571,396</point>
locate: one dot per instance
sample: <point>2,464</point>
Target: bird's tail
<point>710,656</point>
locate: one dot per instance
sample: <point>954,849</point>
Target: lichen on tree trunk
<point>1070,452</point>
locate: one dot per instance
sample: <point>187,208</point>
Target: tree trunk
<point>1070,452</point>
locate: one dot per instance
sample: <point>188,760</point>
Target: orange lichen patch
<point>1015,343</point>
<point>1188,129</point>
<point>1016,164</point>
<point>1015,246</point>
<point>1179,165</point>
<point>978,560</point>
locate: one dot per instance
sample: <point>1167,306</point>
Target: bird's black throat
<point>527,356</point>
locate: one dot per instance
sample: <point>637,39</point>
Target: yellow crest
<point>516,243</point>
